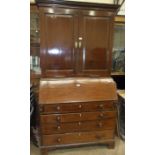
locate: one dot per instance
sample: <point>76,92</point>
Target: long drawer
<point>78,126</point>
<point>76,107</point>
<point>71,138</point>
<point>73,117</point>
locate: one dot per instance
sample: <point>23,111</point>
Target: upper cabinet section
<point>76,40</point>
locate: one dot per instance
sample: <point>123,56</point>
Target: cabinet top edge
<point>78,4</point>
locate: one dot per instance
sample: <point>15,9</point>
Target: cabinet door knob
<point>59,140</point>
<point>58,107</point>
<point>80,38</point>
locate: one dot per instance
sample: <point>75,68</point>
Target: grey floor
<point>87,150</point>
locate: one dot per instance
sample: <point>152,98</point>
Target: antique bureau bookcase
<point>76,94</point>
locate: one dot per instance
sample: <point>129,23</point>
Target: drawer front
<point>76,107</point>
<point>73,117</point>
<point>73,138</point>
<point>78,126</point>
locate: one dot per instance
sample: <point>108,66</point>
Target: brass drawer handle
<point>58,127</point>
<point>58,118</point>
<point>59,140</point>
<point>79,123</point>
<point>80,115</point>
<point>101,106</point>
<point>80,106</point>
<point>101,115</point>
<point>58,107</point>
<point>100,124</point>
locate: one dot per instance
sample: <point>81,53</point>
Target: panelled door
<point>95,42</point>
<point>58,37</point>
<point>75,42</point>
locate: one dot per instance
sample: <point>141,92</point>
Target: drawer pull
<point>58,118</point>
<point>59,140</point>
<point>101,105</point>
<point>80,115</point>
<point>100,124</point>
<point>80,106</point>
<point>79,134</point>
<point>58,107</point>
<point>101,115</point>
<point>79,123</point>
<point>58,127</point>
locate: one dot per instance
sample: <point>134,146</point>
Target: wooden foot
<point>43,151</point>
<point>111,145</point>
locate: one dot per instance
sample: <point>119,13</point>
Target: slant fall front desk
<point>76,111</point>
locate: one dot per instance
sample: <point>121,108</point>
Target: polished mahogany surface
<point>59,47</point>
<point>57,41</point>
<point>76,96</point>
<point>76,117</point>
<point>78,107</point>
<point>71,138</point>
<point>75,41</point>
<point>77,111</point>
<point>95,49</point>
<point>66,90</point>
<point>53,128</point>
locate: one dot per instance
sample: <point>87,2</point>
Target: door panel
<point>96,34</point>
<point>58,54</point>
<point>94,38</point>
<point>75,42</point>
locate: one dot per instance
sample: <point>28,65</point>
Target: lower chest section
<point>77,123</point>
